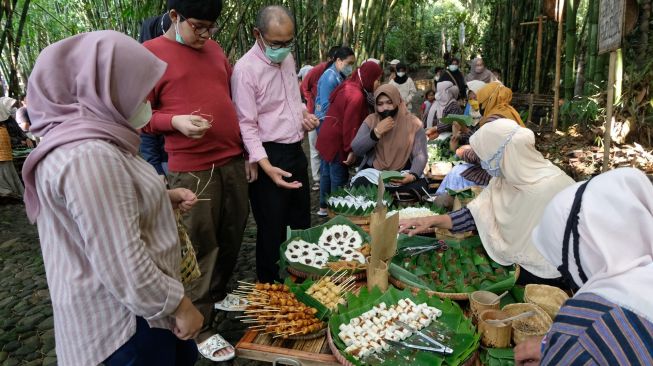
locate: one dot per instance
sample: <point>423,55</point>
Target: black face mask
<point>388,113</point>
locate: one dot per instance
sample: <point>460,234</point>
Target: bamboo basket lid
<point>549,298</point>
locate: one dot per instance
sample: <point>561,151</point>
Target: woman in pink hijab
<point>105,220</point>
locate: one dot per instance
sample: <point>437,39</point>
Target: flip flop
<point>232,303</point>
<point>214,344</point>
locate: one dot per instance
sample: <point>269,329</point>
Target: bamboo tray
<point>471,361</point>
<point>460,296</point>
<point>262,347</point>
<point>301,274</point>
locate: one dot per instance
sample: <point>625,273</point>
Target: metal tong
<point>439,347</point>
<point>440,246</point>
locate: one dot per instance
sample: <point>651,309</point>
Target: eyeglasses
<point>276,46</point>
<point>199,30</point>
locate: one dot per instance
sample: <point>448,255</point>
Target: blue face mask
<point>178,37</point>
<point>347,70</point>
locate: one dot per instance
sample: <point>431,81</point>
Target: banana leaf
<point>323,313</point>
<point>312,235</point>
<point>498,357</point>
<point>457,329</point>
<point>368,192</point>
<point>462,119</point>
<point>389,175</point>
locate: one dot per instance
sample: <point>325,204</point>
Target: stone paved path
<point>26,323</point>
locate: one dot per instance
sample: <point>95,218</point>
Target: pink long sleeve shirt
<point>268,102</point>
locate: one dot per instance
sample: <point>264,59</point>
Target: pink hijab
<point>86,87</point>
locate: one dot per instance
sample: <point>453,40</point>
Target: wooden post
<point>556,94</point>
<point>538,57</point>
<point>538,61</point>
<point>607,136</point>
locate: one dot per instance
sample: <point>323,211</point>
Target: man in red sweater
<point>192,107</point>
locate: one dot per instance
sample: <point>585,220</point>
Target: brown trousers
<point>215,227</point>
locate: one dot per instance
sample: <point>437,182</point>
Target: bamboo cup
<point>482,300</point>
<point>494,336</point>
<point>377,275</point>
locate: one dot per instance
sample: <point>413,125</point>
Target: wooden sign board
<point>611,25</point>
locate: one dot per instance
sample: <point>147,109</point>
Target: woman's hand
<point>182,198</point>
<point>29,143</point>
<point>461,150</point>
<point>423,225</point>
<point>453,143</point>
<point>528,353</point>
<point>188,320</point>
<point>408,178</point>
<point>432,133</point>
<point>384,126</point>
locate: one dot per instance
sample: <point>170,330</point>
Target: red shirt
<point>309,85</point>
<point>195,80</point>
<point>346,113</point>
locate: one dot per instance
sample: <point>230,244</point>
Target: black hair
<point>341,53</point>
<point>268,13</point>
<point>455,59</point>
<point>198,9</point>
<point>430,91</point>
<point>438,68</point>
<point>332,53</point>
<point>401,65</point>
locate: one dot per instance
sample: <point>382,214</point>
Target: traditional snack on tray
<point>413,212</point>
<point>366,334</point>
<point>274,309</point>
<point>337,243</point>
<point>462,268</point>
<point>330,294</point>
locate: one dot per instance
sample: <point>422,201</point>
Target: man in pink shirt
<point>273,123</point>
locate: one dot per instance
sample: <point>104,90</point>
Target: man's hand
<point>432,133</point>
<point>191,126</point>
<point>188,320</point>
<point>528,352</point>
<point>251,171</point>
<point>182,198</point>
<point>277,175</point>
<point>384,126</point>
<point>310,122</point>
<point>351,159</point>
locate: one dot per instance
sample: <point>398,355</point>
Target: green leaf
<point>462,119</point>
<point>389,175</point>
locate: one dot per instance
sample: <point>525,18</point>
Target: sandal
<point>212,345</point>
<point>232,303</point>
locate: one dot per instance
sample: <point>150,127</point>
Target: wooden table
<point>262,347</point>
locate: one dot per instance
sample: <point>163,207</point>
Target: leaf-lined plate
<point>457,330</point>
<point>465,267</point>
<point>312,235</point>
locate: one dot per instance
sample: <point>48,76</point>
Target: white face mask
<point>453,67</point>
<point>142,116</point>
<point>401,74</point>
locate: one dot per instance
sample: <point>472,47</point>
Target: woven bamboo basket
<point>362,221</point>
<point>547,297</point>
<point>190,269</point>
<point>522,329</point>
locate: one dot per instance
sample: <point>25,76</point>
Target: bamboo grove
<point>419,32</point>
